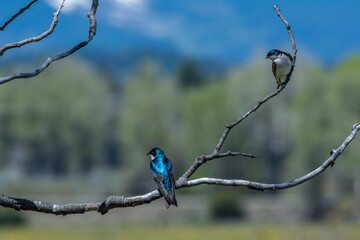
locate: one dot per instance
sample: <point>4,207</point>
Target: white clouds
<point>129,3</point>
<point>70,5</point>
<point>137,15</point>
<point>140,16</point>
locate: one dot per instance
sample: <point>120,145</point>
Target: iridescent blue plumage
<point>161,170</point>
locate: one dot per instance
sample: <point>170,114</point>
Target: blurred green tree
<point>324,106</point>
<point>150,117</point>
<point>58,120</point>
<point>189,74</point>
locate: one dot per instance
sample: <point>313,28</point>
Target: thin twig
<point>290,33</point>
<point>35,39</point>
<point>233,154</point>
<point>92,32</point>
<point>17,14</point>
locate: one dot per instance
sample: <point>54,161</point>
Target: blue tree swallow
<point>281,65</point>
<point>161,170</point>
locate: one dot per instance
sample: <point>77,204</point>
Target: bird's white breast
<point>283,61</point>
<point>283,66</point>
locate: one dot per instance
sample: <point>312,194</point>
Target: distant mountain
<point>119,64</point>
<point>226,32</point>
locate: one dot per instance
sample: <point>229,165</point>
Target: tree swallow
<point>161,170</point>
<point>281,65</point>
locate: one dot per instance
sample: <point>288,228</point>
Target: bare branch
<point>290,33</point>
<point>17,14</point>
<point>265,186</point>
<point>121,201</point>
<point>35,39</point>
<point>292,43</point>
<point>200,160</point>
<point>233,154</point>
<point>92,32</point>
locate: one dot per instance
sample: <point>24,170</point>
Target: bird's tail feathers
<point>170,201</point>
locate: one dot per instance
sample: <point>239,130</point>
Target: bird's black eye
<point>151,152</point>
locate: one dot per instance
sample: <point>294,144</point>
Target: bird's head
<point>155,152</point>
<point>273,54</point>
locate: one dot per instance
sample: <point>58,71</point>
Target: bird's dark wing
<point>172,182</point>
<point>289,55</point>
<point>173,186</point>
<point>159,180</point>
<point>274,69</point>
<point>274,73</point>
<point>160,184</point>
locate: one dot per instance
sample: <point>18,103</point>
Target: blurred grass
<point>188,232</point>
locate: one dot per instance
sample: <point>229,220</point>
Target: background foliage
<point>76,131</point>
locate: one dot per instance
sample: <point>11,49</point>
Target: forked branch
<point>200,160</point>
<point>37,38</point>
<point>92,32</point>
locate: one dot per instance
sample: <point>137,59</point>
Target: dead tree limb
<point>37,38</point>
<point>17,14</point>
<point>92,32</point>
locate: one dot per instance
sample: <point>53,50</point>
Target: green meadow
<point>189,232</point>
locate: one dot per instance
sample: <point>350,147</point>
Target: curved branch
<point>266,186</point>
<point>121,201</point>
<point>17,14</point>
<point>35,39</point>
<point>290,33</point>
<point>200,160</point>
<point>292,43</point>
<point>92,32</point>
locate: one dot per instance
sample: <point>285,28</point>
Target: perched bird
<point>161,170</point>
<point>281,65</point>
